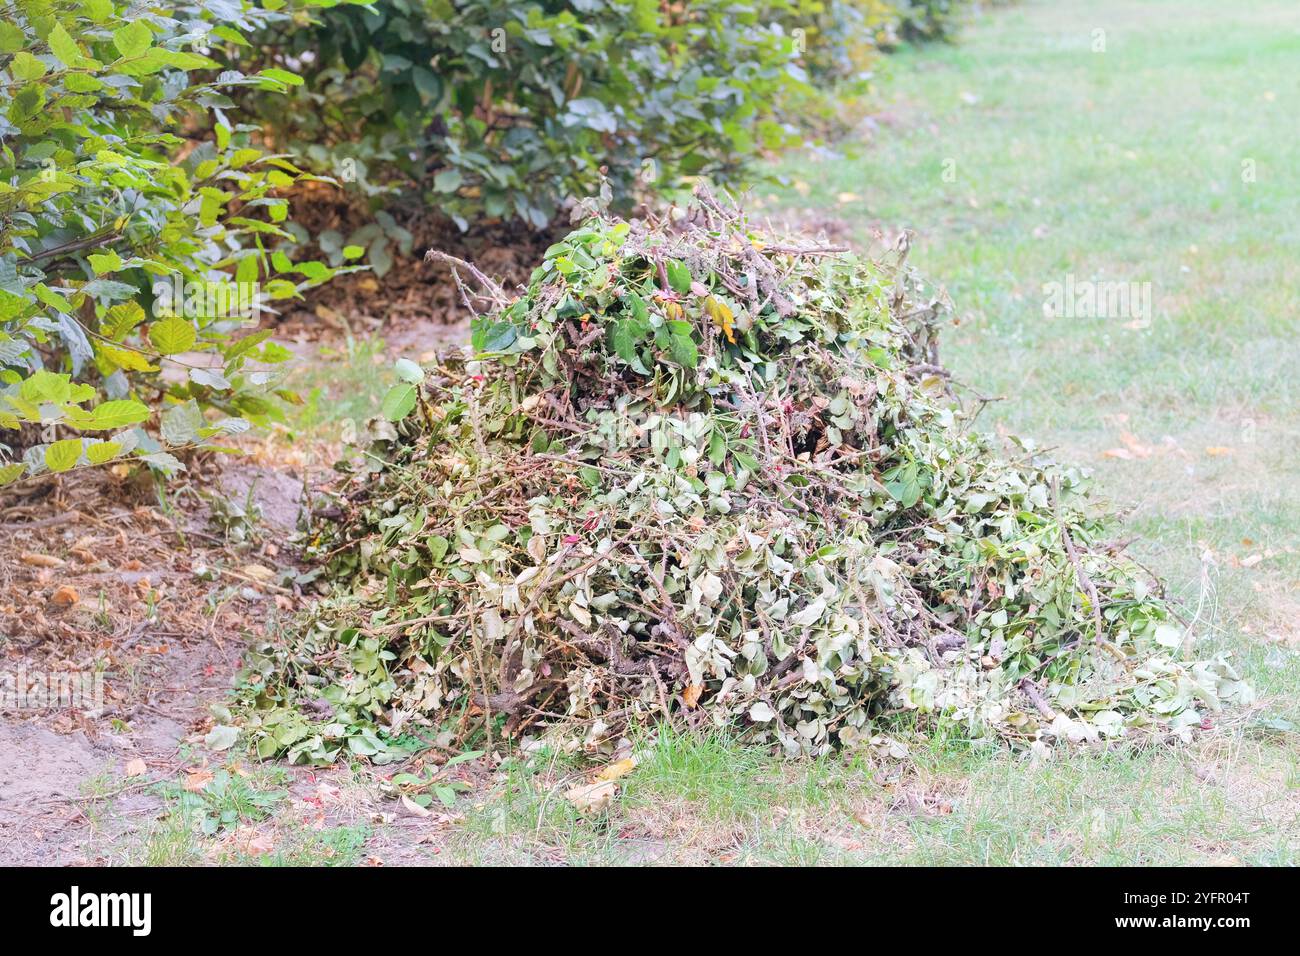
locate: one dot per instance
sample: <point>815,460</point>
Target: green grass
<point>1122,165</point>
<point>240,817</point>
<point>1116,165</point>
<point>344,382</point>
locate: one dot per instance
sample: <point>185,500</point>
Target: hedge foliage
<point>504,110</point>
<point>146,151</point>
<point>485,109</point>
<point>138,232</point>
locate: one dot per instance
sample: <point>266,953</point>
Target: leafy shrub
<point>506,109</point>
<point>923,20</point>
<point>842,38</point>
<point>134,243</point>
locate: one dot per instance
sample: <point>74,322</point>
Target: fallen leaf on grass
<point>620,768</point>
<point>1133,448</point>
<point>1217,451</point>
<point>196,780</point>
<point>592,797</point>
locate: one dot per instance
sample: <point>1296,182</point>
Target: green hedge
<point>138,231</point>
<point>506,109</point>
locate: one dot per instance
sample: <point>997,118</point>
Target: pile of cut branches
<point>696,472</point>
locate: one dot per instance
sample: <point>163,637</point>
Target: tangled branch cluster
<point>696,473</point>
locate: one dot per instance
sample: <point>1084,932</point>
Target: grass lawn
<point>1019,157</point>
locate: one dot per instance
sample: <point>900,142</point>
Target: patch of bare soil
<point>98,578</point>
<point>98,583</point>
<point>412,292</point>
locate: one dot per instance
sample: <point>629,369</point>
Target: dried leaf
<point>691,695</point>
<point>592,797</point>
<point>65,596</point>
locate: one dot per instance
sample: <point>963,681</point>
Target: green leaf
<point>52,298</point>
<point>679,277</point>
<point>163,462</point>
<point>172,335</point>
<point>133,39</point>
<point>121,319</point>
<point>117,413</point>
<point>62,455</point>
<point>105,262</point>
<point>182,424</point>
<point>447,181</point>
<point>64,47</point>
<point>488,336</point>
<point>11,473</point>
<point>408,371</point>
<point>101,451</point>
<point>24,66</point>
<point>683,351</point>
<point>282,76</point>
<point>11,38</point>
<point>399,401</point>
<point>625,336</point>
<point>45,386</point>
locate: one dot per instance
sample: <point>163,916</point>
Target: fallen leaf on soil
<point>221,737</point>
<point>136,768</point>
<point>258,572</point>
<point>40,560</point>
<point>414,808</point>
<point>1217,451</point>
<point>196,780</point>
<point>65,596</point>
<point>253,842</point>
<point>592,797</point>
<point>691,695</point>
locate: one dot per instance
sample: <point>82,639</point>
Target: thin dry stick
<point>495,292</point>
<point>1084,581</point>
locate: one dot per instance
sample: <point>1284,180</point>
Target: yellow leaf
<point>128,359</point>
<point>722,317</point>
<point>619,768</point>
